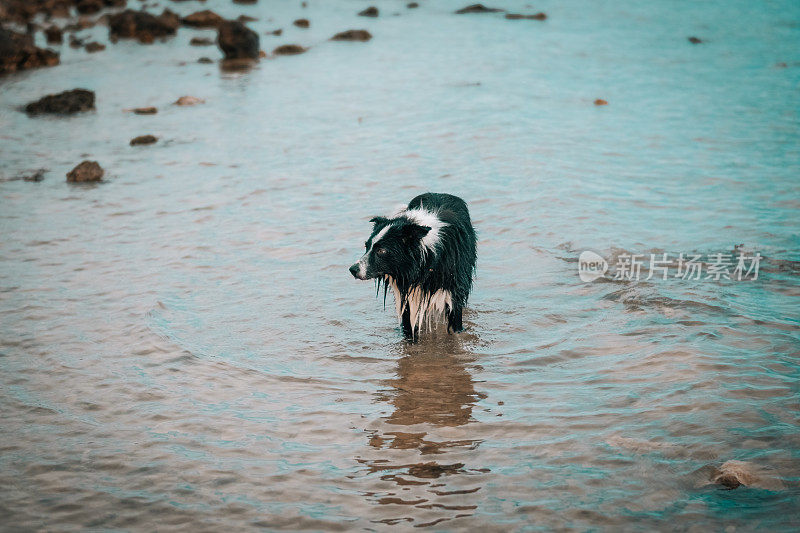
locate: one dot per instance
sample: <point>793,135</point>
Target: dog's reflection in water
<point>433,392</point>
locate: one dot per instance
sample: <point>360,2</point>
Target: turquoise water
<point>182,346</point>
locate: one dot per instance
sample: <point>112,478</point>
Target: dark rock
<point>477,8</point>
<point>289,50</point>
<point>142,26</point>
<point>146,110</point>
<point>302,23</point>
<point>144,139</point>
<point>245,2</point>
<point>85,171</point>
<point>695,40</point>
<point>94,46</point>
<point>205,60</point>
<point>65,103</point>
<point>17,52</point>
<point>201,41</point>
<point>237,41</point>
<point>244,19</point>
<point>517,16</point>
<point>352,35</point>
<point>202,19</point>
<point>371,11</point>
<point>74,42</point>
<point>277,33</point>
<point>412,5</point>
<point>88,7</point>
<point>54,35</point>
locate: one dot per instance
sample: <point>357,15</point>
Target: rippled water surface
<point>182,346</point>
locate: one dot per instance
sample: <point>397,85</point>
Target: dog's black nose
<point>354,270</point>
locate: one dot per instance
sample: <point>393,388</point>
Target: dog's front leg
<point>408,330</point>
<point>454,324</point>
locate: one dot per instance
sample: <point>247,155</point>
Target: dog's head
<point>393,248</point>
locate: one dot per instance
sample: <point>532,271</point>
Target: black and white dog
<point>426,254</point>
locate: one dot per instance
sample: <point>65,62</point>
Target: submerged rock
<point>65,103</point>
<point>202,19</point>
<point>201,41</point>
<point>17,52</point>
<point>142,26</point>
<point>412,5</point>
<point>477,8</point>
<point>600,101</point>
<point>94,46</point>
<point>205,60</point>
<point>144,139</point>
<point>189,100</point>
<point>352,35</point>
<point>517,16</point>
<point>289,50</point>
<point>85,171</point>
<point>302,23</point>
<point>237,41</point>
<point>433,470</point>
<point>695,40</point>
<point>371,11</point>
<point>277,32</point>
<point>734,474</point>
<point>145,110</point>
<point>38,175</point>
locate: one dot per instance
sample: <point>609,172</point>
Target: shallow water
<point>183,347</point>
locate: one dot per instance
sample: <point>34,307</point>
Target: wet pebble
<point>54,35</point>
<point>142,26</point>
<point>237,41</point>
<point>518,16</point>
<point>477,8</point>
<point>289,50</point>
<point>86,171</point>
<point>94,46</point>
<point>202,19</point>
<point>302,23</point>
<point>144,139</point>
<point>371,11</point>
<point>352,35</point>
<point>189,100</point>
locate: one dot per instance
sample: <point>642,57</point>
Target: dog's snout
<point>354,270</point>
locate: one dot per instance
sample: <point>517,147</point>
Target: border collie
<point>426,253</point>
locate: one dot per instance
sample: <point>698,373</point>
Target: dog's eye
<point>381,251</point>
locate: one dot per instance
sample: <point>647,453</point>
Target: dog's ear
<point>379,221</point>
<point>415,232</point>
